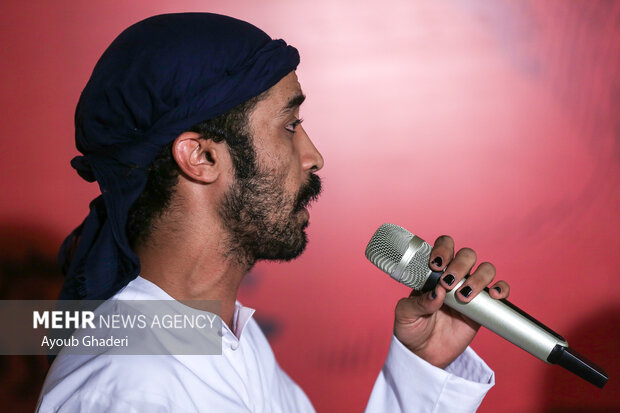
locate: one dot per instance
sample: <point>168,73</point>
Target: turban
<point>157,79</point>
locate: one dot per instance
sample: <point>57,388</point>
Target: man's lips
<point>309,192</point>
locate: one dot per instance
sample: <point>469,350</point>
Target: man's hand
<point>435,332</point>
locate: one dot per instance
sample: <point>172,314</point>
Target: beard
<point>263,221</point>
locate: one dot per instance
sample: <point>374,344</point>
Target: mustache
<point>309,192</point>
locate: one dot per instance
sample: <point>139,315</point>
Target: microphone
<point>405,257</point>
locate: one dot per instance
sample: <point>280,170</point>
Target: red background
<point>494,122</point>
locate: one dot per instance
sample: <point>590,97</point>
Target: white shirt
<point>245,378</point>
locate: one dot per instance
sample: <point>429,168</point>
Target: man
<point>190,124</point>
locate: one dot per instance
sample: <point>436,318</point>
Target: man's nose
<point>311,158</point>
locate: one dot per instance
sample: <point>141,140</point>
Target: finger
<point>409,310</point>
<point>476,282</point>
<point>442,253</point>
<point>458,268</point>
<point>500,289</point>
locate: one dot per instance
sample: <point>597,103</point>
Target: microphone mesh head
<point>387,247</point>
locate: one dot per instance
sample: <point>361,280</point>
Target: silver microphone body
<point>405,257</point>
<point>505,320</point>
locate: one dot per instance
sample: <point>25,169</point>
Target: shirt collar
<point>143,289</point>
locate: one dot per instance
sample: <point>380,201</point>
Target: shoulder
<point>137,383</point>
<point>110,380</point>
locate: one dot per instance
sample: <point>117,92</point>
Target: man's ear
<point>199,159</point>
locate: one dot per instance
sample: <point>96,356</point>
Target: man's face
<point>265,212</point>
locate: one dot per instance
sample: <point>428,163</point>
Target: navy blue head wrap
<point>157,79</point>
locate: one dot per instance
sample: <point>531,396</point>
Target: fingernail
<point>498,289</point>
<point>432,295</point>
<point>466,291</point>
<point>449,279</point>
<point>437,261</point>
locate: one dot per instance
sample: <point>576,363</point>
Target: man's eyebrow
<point>293,102</point>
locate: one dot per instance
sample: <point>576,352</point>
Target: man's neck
<point>188,267</point>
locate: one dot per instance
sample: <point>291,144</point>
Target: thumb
<point>410,309</point>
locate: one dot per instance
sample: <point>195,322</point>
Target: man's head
<point>267,187</point>
<point>158,79</point>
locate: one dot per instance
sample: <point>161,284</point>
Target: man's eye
<point>291,126</point>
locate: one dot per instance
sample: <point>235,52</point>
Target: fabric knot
<point>82,166</point>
